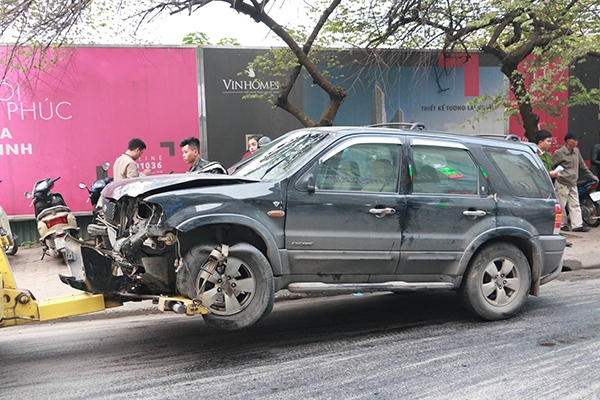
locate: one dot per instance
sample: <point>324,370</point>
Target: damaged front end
<point>137,255</point>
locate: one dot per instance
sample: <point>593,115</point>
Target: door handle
<point>474,213</point>
<point>380,212</point>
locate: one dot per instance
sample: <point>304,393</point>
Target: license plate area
<point>595,196</point>
<point>59,242</point>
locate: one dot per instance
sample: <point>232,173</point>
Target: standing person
<point>570,159</point>
<point>543,140</point>
<point>126,166</point>
<point>190,151</point>
<point>252,146</point>
<point>595,158</point>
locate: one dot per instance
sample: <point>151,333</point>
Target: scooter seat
<point>52,211</point>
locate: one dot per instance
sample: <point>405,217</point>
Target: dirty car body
<point>334,210</point>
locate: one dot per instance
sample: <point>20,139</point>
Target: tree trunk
<point>517,86</point>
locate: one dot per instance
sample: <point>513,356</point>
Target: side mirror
<point>105,166</point>
<point>311,184</point>
<point>28,195</point>
<point>307,182</point>
<point>82,186</point>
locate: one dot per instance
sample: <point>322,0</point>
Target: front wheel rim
<point>229,292</point>
<point>500,282</point>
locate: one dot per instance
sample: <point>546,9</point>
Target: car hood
<point>162,183</point>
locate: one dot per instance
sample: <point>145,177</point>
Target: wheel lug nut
<point>233,285</point>
<point>219,289</point>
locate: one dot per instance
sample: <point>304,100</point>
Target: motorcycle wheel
<point>11,250</point>
<point>590,211</point>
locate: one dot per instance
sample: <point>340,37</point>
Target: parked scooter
<point>96,188</point>
<point>7,239</point>
<point>94,195</point>
<point>588,201</point>
<point>54,219</point>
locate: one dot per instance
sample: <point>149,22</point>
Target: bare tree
<point>42,24</point>
<point>524,36</point>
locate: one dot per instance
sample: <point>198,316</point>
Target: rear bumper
<point>552,249</point>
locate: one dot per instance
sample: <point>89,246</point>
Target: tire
<point>11,250</point>
<point>245,266</point>
<point>496,283</point>
<point>589,212</point>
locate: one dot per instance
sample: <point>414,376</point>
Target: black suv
<point>335,209</point>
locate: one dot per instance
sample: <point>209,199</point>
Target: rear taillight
<point>55,221</point>
<point>557,219</point>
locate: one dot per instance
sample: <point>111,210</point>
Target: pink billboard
<point>74,116</point>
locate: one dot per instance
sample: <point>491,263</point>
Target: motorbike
<point>96,188</point>
<point>588,201</point>
<point>213,167</point>
<point>94,192</point>
<point>8,240</point>
<point>54,219</point>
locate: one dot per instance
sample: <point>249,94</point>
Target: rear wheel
<point>238,294</point>
<point>496,283</point>
<point>590,211</point>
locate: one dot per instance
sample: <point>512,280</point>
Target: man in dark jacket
<point>570,159</point>
<point>190,151</point>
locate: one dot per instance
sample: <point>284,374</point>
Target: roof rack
<point>400,125</point>
<point>511,137</point>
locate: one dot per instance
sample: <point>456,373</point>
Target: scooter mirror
<point>82,186</point>
<point>105,166</point>
<point>28,195</point>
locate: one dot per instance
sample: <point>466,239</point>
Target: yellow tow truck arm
<point>20,306</point>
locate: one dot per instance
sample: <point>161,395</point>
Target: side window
<point>443,170</point>
<point>363,167</point>
<point>520,173</point>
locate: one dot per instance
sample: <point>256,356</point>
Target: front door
<point>350,223</point>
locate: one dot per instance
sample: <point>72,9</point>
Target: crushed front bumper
<point>90,270</point>
<point>94,272</point>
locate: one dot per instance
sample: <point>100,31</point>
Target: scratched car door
<point>448,206</point>
<point>350,223</point>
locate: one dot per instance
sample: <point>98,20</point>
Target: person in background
<point>543,140</point>
<point>570,159</point>
<point>595,158</point>
<point>263,141</point>
<point>125,166</point>
<point>252,146</point>
<point>190,151</point>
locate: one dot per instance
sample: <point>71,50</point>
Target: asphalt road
<point>380,346</point>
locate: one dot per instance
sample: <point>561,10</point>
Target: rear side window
<point>520,172</point>
<point>443,170</point>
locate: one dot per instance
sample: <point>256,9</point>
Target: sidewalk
<point>585,252</point>
<point>41,276</point>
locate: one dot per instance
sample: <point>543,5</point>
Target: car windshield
<point>280,156</point>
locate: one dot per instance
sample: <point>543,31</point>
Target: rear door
<point>448,206</point>
<point>350,223</point>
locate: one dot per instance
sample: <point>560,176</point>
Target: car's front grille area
<point>110,212</point>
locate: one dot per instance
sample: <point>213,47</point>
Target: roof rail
<point>511,137</point>
<point>400,125</point>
